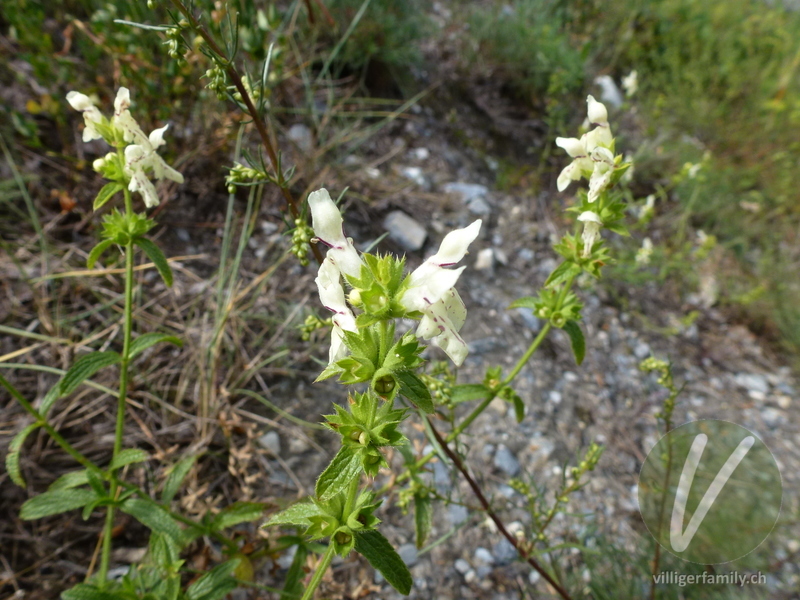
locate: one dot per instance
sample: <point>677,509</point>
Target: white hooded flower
<point>630,83</point>
<point>91,115</point>
<point>591,230</point>
<point>601,172</point>
<point>584,151</point>
<point>327,224</point>
<point>645,252</point>
<point>431,292</point>
<point>331,294</point>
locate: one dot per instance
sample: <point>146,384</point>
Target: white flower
<point>91,114</point>
<point>331,294</point>
<point>431,292</point>
<point>591,230</point>
<point>327,224</point>
<point>601,172</point>
<point>630,83</point>
<point>645,252</point>
<point>592,147</point>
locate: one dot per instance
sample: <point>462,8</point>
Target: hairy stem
<point>319,573</point>
<point>493,516</point>
<point>227,63</point>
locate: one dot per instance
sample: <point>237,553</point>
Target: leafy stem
<point>320,572</point>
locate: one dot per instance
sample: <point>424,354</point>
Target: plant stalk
<point>319,573</point>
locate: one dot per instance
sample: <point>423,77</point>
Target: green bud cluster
<point>240,174</point>
<point>122,228</point>
<point>589,461</point>
<point>312,324</point>
<point>301,241</point>
<point>666,380</point>
<point>332,521</point>
<point>175,46</point>
<point>217,81</point>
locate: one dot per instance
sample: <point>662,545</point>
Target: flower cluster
<point>141,160</point>
<point>427,294</point>
<point>593,158</point>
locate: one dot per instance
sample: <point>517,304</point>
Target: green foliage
<point>155,254</point>
<point>339,473</point>
<point>527,42</point>
<point>576,339</point>
<point>153,516</point>
<point>382,556</point>
<point>127,457</point>
<point>84,368</point>
<point>12,458</point>
<point>55,502</point>
<point>147,340</point>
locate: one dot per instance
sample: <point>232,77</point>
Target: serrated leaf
<point>423,518</point>
<point>413,388</point>
<point>177,474</point>
<point>576,338</point>
<point>70,480</point>
<point>562,272</point>
<point>55,502</point>
<point>526,302</point>
<point>155,254</point>
<point>106,193</point>
<point>50,399</point>
<point>152,516</point>
<point>298,513</point>
<point>215,584</point>
<point>380,554</point>
<point>143,342</point>
<point>468,392</point>
<point>127,457</point>
<point>238,512</point>
<point>338,474</point>
<point>86,591</point>
<point>97,252</point>
<point>12,458</point>
<point>85,367</point>
<point>89,508</point>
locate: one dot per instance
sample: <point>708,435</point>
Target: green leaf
<point>143,342</point>
<point>159,260</point>
<point>468,392</point>
<point>70,480</point>
<point>519,408</point>
<point>106,193</point>
<point>86,591</point>
<point>215,584</point>
<point>413,388</point>
<point>423,518</point>
<point>238,512</point>
<point>562,272</point>
<point>12,458</point>
<point>127,457</point>
<point>298,513</point>
<point>576,338</point>
<point>338,474</point>
<point>97,252</point>
<point>152,516</point>
<point>380,554</point>
<point>526,302</point>
<point>177,474</point>
<point>85,367</point>
<point>50,399</point>
<point>55,502</point>
<point>293,583</point>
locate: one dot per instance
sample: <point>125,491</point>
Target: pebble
<point>752,382</point>
<point>271,441</point>
<point>479,207</point>
<point>485,260</point>
<point>301,135</point>
<point>483,557</point>
<point>415,174</point>
<point>420,153</point>
<point>641,351</point>
<point>534,577</point>
<point>555,397</point>
<point>506,461</point>
<point>462,566</point>
<point>408,553</point>
<point>773,417</point>
<point>183,234</point>
<point>530,320</point>
<point>457,514</point>
<point>504,553</point>
<point>526,254</point>
<point>404,230</point>
<point>499,406</point>
<point>467,191</point>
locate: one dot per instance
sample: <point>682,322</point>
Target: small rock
<point>268,227</point>
<point>183,234</point>
<point>372,172</point>
<point>526,255</point>
<point>752,382</point>
<point>404,230</point>
<point>485,260</point>
<point>555,397</point>
<point>420,153</point>
<point>415,174</point>
<point>467,191</point>
<point>483,345</point>
<point>641,351</point>
<point>470,576</point>
<point>530,320</point>
<point>271,441</point>
<point>499,406</point>
<point>506,461</point>
<point>462,566</point>
<point>504,552</point>
<point>483,557</point>
<point>783,401</point>
<point>285,560</point>
<point>773,417</point>
<point>457,514</point>
<point>298,445</point>
<point>408,553</point>
<point>301,135</point>
<point>479,206</point>
<point>534,577</point>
